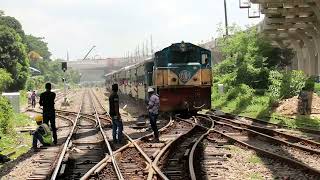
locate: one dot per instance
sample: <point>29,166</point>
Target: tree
<point>34,56</point>
<point>14,24</point>
<point>5,79</point>
<point>13,57</point>
<point>249,57</point>
<point>37,45</point>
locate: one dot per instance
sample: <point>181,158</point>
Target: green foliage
<point>13,57</point>
<point>285,84</point>
<point>35,82</point>
<point>249,57</point>
<point>6,115</point>
<point>317,88</point>
<point>239,92</point>
<point>310,84</point>
<point>37,45</point>
<point>13,23</point>
<point>23,98</point>
<point>5,79</point>
<point>52,72</point>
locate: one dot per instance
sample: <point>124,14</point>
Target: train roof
<point>179,46</point>
<point>150,59</point>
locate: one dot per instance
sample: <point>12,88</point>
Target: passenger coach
<point>180,73</point>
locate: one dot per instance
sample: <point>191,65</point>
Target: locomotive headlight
<point>183,46</point>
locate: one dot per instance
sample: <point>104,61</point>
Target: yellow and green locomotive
<point>180,74</point>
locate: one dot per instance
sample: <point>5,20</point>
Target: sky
<point>119,26</point>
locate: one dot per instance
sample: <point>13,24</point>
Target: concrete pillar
<point>300,60</point>
<point>309,52</point>
<point>316,41</point>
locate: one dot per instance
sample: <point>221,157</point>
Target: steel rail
<point>306,130</point>
<point>138,147</point>
<point>191,155</point>
<point>115,165</point>
<point>269,131</point>
<point>273,155</point>
<point>60,116</point>
<point>280,141</point>
<point>66,144</point>
<point>163,150</point>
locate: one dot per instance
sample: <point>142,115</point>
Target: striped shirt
<point>154,104</point>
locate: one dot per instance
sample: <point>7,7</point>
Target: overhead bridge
<point>294,24</point>
<point>94,70</point>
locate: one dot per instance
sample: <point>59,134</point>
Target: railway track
<point>303,143</point>
<point>219,157</point>
<point>174,160</point>
<point>48,155</point>
<point>85,146</point>
<point>294,155</point>
<point>313,134</point>
<point>138,159</point>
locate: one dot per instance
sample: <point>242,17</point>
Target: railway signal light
<point>64,66</point>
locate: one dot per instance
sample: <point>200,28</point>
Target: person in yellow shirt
<point>42,133</point>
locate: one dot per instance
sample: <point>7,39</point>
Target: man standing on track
<point>153,108</point>
<point>117,125</point>
<point>47,101</point>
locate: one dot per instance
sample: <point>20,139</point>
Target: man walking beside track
<point>153,108</point>
<point>117,125</point>
<point>33,99</point>
<point>49,115</point>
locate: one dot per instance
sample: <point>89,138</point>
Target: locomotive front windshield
<point>178,57</point>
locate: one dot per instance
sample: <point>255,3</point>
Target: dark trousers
<point>153,123</point>
<point>33,103</point>
<point>36,137</point>
<point>117,128</point>
<point>51,117</point>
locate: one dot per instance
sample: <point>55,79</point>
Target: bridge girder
<point>294,23</point>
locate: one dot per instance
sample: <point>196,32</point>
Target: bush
<point>285,84</point>
<point>6,115</point>
<point>241,90</point>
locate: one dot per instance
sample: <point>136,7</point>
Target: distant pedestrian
<point>117,125</point>
<point>153,108</point>
<point>33,99</point>
<point>47,101</point>
<point>42,134</point>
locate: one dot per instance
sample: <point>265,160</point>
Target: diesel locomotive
<point>180,74</point>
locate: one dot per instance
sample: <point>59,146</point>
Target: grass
<point>255,176</point>
<point>16,142</point>
<point>259,107</point>
<point>254,159</point>
<point>22,120</point>
<point>19,143</point>
<point>23,98</point>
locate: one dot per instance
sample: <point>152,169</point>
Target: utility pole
<point>226,17</point>
<point>151,45</point>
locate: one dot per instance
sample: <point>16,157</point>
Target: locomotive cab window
<point>204,59</point>
<point>184,57</point>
